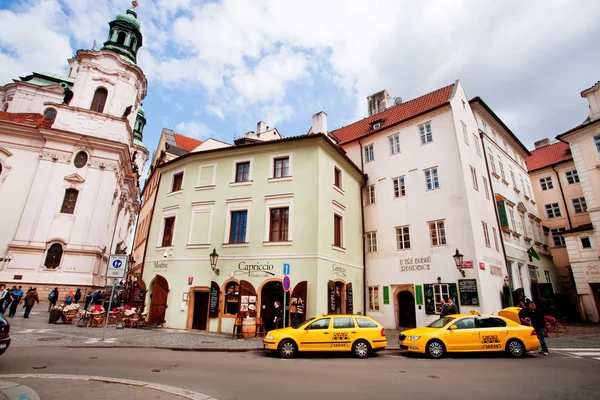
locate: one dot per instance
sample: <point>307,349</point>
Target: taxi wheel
<point>361,349</point>
<point>435,349</point>
<point>515,348</point>
<point>287,348</point>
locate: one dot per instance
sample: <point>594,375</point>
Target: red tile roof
<point>186,143</point>
<point>394,115</point>
<point>30,119</point>
<point>547,156</point>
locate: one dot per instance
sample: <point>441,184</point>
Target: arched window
<point>50,113</point>
<point>53,256</point>
<point>99,100</point>
<point>132,44</point>
<point>69,202</point>
<point>232,298</point>
<point>121,38</point>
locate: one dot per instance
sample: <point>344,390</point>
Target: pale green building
<point>260,204</point>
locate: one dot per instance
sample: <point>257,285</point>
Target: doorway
<point>158,301</point>
<point>200,316</point>
<point>407,317</point>
<point>272,292</point>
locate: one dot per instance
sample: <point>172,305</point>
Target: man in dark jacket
<point>538,322</point>
<point>77,295</point>
<point>30,300</point>
<point>52,298</point>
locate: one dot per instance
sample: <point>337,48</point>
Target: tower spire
<point>124,36</point>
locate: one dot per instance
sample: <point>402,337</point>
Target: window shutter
<point>429,299</point>
<point>453,292</point>
<point>502,214</point>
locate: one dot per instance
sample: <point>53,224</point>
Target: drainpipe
<point>149,228</point>
<point>362,215</point>
<point>491,187</point>
<point>562,193</point>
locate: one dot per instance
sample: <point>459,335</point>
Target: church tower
<point>124,36</point>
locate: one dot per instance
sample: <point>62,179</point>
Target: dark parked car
<point>4,338</point>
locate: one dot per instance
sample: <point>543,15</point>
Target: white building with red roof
<point>71,156</point>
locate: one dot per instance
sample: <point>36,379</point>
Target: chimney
<point>261,127</point>
<point>378,102</point>
<point>542,143</point>
<point>319,123</point>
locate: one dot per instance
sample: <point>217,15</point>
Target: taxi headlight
<point>270,337</point>
<point>413,338</point>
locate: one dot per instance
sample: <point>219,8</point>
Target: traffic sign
<point>286,269</point>
<point>117,266</point>
<point>286,283</point>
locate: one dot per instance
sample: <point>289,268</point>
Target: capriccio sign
<point>338,270</point>
<point>415,264</point>
<point>258,270</point>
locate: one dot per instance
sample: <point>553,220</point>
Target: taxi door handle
<point>325,333</point>
<point>352,332</point>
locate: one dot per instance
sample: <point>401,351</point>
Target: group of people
<point>448,307</point>
<point>11,298</point>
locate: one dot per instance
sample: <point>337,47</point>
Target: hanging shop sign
<point>411,264</point>
<point>255,270</point>
<point>386,295</point>
<point>419,294</point>
<point>467,289</point>
<point>338,270</point>
<point>482,266</point>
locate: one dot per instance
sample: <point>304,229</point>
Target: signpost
<point>116,268</point>
<point>287,283</point>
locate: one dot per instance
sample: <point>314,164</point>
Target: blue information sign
<point>286,269</point>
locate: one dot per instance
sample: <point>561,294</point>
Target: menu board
<point>349,299</point>
<point>332,302</point>
<point>468,292</point>
<point>214,300</point>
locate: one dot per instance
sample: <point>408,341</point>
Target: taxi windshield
<point>440,323</point>
<point>302,325</point>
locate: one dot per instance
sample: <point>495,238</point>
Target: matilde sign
<point>255,270</point>
<point>411,264</point>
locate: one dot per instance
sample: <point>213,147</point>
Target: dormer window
<point>376,125</point>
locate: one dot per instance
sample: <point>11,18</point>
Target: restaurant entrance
<point>158,300</point>
<point>200,310</point>
<point>406,307</point>
<point>272,292</point>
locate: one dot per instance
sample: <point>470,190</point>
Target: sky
<point>216,68</point>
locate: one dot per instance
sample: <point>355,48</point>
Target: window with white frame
<point>547,274</point>
<point>237,222</point>
<point>557,237</point>
<point>279,219</point>
<point>522,184</point>
<point>501,168</point>
<point>477,146</point>
<point>465,132</point>
<point>523,226</point>
<point>528,189</point>
<point>437,233</point>
<point>597,143</point>
<point>337,177</point>
<point>492,163</point>
<point>486,234</point>
<point>425,132</point>
<point>241,173</point>
<point>486,187</point>
<point>484,126</point>
<point>464,105</point>
<point>495,235</point>
<point>373,298</point>
<point>403,237</point>
<point>431,178</point>
<point>546,183</point>
<point>371,241</point>
<point>399,186</point>
<point>572,177</point>
<point>579,205</point>
<point>281,167</point>
<point>177,182</point>
<point>586,242</point>
<point>511,214</point>
<point>167,229</point>
<point>369,195</point>
<point>200,224</point>
<point>394,142</point>
<point>338,226</point>
<point>512,178</point>
<point>474,178</point>
<point>553,210</point>
<point>369,154</point>
<point>440,291</point>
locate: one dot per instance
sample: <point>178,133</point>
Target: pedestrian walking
<point>16,295</point>
<point>8,299</point>
<point>52,298</point>
<point>538,322</point>
<point>69,297</point>
<point>3,296</point>
<point>77,295</point>
<point>451,307</point>
<point>278,315</point>
<point>30,300</point>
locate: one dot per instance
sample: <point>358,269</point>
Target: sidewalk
<point>36,331</point>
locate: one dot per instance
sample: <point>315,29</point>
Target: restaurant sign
<point>255,270</point>
<point>160,266</point>
<point>338,270</point>
<point>592,271</point>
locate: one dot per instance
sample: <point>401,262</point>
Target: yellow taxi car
<point>470,333</point>
<point>356,333</point>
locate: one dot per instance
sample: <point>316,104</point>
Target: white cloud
<point>194,129</point>
<point>215,110</point>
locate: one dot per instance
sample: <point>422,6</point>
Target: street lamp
<point>214,257</point>
<point>458,260</point>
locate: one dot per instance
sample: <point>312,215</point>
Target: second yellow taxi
<point>356,333</point>
<point>470,333</point>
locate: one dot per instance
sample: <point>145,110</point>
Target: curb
<point>173,348</point>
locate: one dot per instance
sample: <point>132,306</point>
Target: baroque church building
<point>71,156</point>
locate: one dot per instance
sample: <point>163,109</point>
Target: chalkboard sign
<point>468,292</point>
<point>349,299</point>
<point>214,300</point>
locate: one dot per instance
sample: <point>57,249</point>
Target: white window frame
<point>234,170</point>
<point>581,243</point>
<point>492,162</point>
<point>394,143</point>
<point>243,204</point>
<point>581,203</point>
<point>403,236</point>
<point>574,176</point>
<point>443,289</point>
<point>373,298</point>
<point>474,178</point>
<point>512,177</point>
<point>596,140</point>
<point>495,234</point>
<point>369,151</point>
<point>272,167</point>
<point>484,126</point>
<point>465,132</point>
<point>557,233</point>
<point>435,176</point>
<point>547,274</point>
<point>401,187</point>
<point>486,234</point>
<point>502,174</point>
<point>477,145</point>
<point>179,171</point>
<point>341,187</point>
<point>423,133</point>
<point>511,216</point>
<point>167,213</point>
<point>339,210</point>
<point>200,208</point>
<point>214,177</point>
<point>438,232</point>
<point>369,195</point>
<point>546,183</point>
<point>278,201</point>
<point>486,187</point>
<point>371,241</point>
<point>553,208</point>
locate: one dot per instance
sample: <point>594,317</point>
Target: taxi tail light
<point>533,333</point>
<point>382,332</point>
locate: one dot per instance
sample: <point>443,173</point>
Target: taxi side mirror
<point>453,327</point>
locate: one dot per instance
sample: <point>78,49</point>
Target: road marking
<point>577,349</point>
<point>583,353</point>
<point>186,394</point>
<point>97,341</point>
<point>35,331</point>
